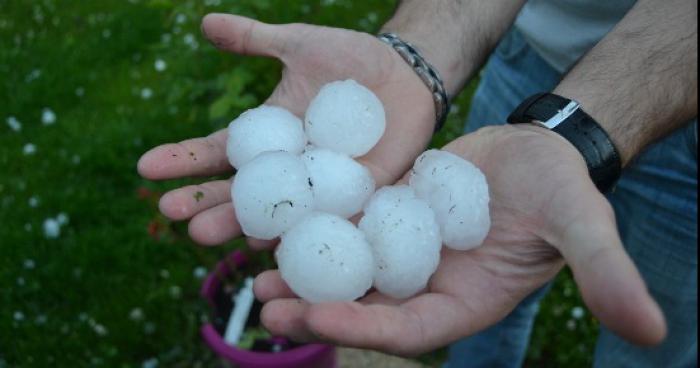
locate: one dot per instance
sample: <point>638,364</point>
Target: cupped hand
<point>546,212</point>
<point>312,56</point>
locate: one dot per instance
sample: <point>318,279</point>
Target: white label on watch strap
<point>562,115</point>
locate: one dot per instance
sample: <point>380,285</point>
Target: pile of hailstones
<point>305,194</point>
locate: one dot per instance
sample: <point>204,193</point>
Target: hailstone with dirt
<point>458,193</point>
<point>405,239</point>
<point>325,258</point>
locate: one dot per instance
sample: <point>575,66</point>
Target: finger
<point>244,35</point>
<point>186,202</point>
<point>269,285</point>
<point>259,244</point>
<point>193,157</point>
<point>215,226</point>
<point>375,297</point>
<point>422,324</point>
<point>284,317</point>
<point>609,281</point>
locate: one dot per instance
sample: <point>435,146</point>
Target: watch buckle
<point>561,115</point>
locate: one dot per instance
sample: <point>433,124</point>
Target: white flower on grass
<point>175,291</point>
<point>33,202</point>
<point>136,314</point>
<point>29,149</point>
<point>160,65</point>
<point>29,264</point>
<point>99,329</point>
<point>577,312</point>
<point>75,159</point>
<point>146,93</point>
<point>41,319</point>
<point>52,229</point>
<point>164,273</point>
<point>180,18</point>
<point>18,316</point>
<point>20,281</point>
<point>149,328</point>
<point>62,218</point>
<point>199,272</point>
<point>48,117</point>
<point>14,124</point>
<point>571,325</point>
<point>150,363</point>
<point>80,91</point>
<point>33,75</point>
<point>190,41</point>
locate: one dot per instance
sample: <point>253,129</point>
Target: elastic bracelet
<point>427,73</point>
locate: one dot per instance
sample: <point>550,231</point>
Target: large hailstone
<point>341,185</point>
<point>271,194</point>
<point>405,239</point>
<point>345,117</point>
<point>325,258</point>
<point>458,193</point>
<point>265,128</point>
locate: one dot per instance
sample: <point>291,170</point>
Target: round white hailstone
<point>271,194</point>
<point>458,193</point>
<point>345,117</point>
<point>326,259</point>
<point>265,128</point>
<point>341,185</point>
<point>405,239</point>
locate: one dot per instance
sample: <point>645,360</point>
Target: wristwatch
<point>565,117</point>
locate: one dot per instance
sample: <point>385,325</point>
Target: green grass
<point>90,62</point>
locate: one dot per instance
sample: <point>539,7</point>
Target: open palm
<point>312,56</point>
<point>545,212</point>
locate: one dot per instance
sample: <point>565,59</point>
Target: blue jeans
<point>655,204</point>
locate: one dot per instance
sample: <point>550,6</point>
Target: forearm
<point>455,36</point>
<point>640,81</point>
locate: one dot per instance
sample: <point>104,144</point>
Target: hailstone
<point>405,239</point>
<point>271,194</point>
<point>345,117</point>
<point>341,185</point>
<point>325,258</point>
<point>458,193</point>
<point>265,128</point>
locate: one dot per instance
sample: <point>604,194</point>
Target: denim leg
<point>656,207</point>
<point>513,73</point>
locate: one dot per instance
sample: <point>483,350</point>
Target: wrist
<point>592,104</point>
<point>565,117</point>
<point>436,51</point>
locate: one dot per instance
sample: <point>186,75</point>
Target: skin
<point>546,212</point>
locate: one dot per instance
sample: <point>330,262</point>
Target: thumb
<point>243,35</point>
<point>610,284</point>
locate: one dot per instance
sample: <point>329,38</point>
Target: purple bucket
<point>304,356</point>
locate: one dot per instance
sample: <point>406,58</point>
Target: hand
<point>312,56</point>
<point>545,211</point>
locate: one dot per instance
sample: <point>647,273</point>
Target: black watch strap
<point>564,116</point>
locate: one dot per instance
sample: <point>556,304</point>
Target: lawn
<point>90,273</point>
